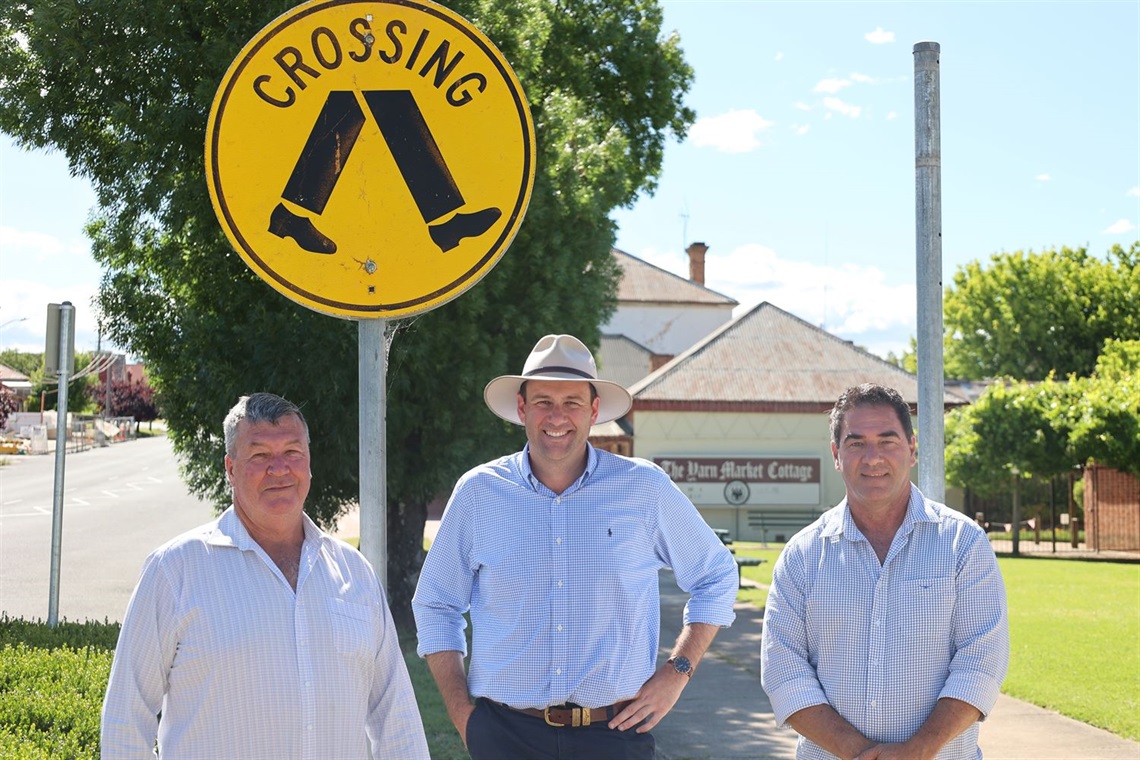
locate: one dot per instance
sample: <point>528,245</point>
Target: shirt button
<point>558,671</point>
<point>558,540</point>
<point>874,703</point>
<point>558,500</point>
<point>560,628</point>
<point>559,584</point>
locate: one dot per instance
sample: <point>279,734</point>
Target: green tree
<point>123,88</point>
<point>1029,314</point>
<point>1106,412</point>
<point>24,362</point>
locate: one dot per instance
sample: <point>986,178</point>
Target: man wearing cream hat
<point>555,552</point>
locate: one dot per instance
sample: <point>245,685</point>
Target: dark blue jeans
<point>495,732</point>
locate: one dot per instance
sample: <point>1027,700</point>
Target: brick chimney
<point>696,253</point>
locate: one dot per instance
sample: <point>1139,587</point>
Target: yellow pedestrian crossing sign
<point>370,159</point>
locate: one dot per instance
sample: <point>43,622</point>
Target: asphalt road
<point>120,502</point>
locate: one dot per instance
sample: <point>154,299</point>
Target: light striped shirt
<point>240,666</point>
<point>882,644</point>
<point>563,588</point>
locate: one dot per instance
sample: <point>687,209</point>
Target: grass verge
<point>1075,639</point>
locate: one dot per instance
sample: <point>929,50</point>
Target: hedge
<point>51,688</point>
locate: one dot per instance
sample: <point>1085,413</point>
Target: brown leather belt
<point>571,716</point>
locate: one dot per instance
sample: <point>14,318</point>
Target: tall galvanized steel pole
<point>928,250</point>
<point>64,368</point>
<point>372,365</point>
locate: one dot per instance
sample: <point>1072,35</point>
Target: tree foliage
<point>24,362</point>
<point>129,398</point>
<point>1029,314</point>
<point>124,87</point>
<point>1048,428</point>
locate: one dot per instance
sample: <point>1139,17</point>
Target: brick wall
<point>1112,509</point>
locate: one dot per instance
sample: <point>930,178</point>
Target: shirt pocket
<point>352,630</point>
<point>924,615</point>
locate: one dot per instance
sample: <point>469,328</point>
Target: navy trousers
<point>495,732</point>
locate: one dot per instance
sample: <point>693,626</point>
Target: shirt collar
<point>230,531</point>
<point>917,510</point>
<point>534,482</point>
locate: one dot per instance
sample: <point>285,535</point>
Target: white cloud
<point>855,303</point>
<point>862,79</point>
<point>1119,227</point>
<point>27,300</point>
<point>731,132</point>
<point>779,56</point>
<point>1134,192</point>
<point>831,86</point>
<point>39,245</point>
<point>892,115</point>
<point>1042,178</point>
<point>835,104</point>
<point>879,36</point>
<point>801,129</point>
<point>799,105</point>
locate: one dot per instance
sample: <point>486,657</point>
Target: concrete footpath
<point>725,715</point>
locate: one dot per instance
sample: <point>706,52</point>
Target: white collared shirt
<point>241,666</point>
<point>883,643</point>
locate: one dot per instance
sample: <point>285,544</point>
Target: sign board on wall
<point>745,481</point>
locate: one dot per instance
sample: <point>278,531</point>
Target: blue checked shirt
<point>882,644</point>
<point>563,588</point>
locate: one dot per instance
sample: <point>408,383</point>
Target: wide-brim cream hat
<point>557,357</point>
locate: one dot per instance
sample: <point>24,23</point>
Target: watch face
<point>682,665</point>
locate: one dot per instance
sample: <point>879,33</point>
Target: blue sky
<point>799,172</point>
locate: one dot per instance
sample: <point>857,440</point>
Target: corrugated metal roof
<point>7,373</point>
<point>641,282</point>
<point>622,359</point>
<point>771,356</point>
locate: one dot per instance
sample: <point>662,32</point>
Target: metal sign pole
<point>928,241</point>
<point>66,319</point>
<point>372,368</point>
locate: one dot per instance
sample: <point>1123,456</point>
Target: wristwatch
<point>681,665</point>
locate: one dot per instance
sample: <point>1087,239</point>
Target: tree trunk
<point>405,557</point>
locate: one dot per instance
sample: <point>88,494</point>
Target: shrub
<point>51,688</point>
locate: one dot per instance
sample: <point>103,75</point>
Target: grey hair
<point>869,394</point>
<point>259,407</point>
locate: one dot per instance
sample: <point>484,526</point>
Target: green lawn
<point>1075,639</point>
<point>1074,633</point>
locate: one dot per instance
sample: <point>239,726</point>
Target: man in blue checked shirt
<point>555,551</point>
<point>885,632</point>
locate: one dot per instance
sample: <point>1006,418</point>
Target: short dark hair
<point>258,407</point>
<point>869,394</point>
<point>522,391</point>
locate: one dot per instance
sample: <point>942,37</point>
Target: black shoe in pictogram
<point>447,234</point>
<point>284,223</point>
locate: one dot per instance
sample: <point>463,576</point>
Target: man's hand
<point>451,678</point>
<point>891,752</point>
<point>652,702</point>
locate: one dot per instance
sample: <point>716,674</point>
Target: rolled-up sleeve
<point>979,626</point>
<point>701,563</point>
<point>786,671</point>
<point>443,593</point>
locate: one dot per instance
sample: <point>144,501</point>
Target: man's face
<point>874,457</point>
<point>557,417</point>
<point>269,471</point>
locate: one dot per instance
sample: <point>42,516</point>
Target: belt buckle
<point>579,717</point>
